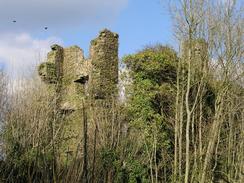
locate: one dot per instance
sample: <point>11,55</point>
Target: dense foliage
<point>180,117</point>
<point>150,103</point>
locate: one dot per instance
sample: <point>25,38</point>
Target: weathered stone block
<point>197,51</point>
<point>76,79</point>
<point>104,60</point>
<point>47,72</point>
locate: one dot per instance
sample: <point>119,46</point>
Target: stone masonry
<point>75,78</point>
<point>76,81</point>
<point>199,54</point>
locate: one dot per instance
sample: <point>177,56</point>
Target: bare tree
<point>220,24</point>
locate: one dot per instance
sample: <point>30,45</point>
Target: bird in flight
<point>14,21</point>
<point>46,28</point>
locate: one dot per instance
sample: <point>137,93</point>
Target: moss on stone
<point>47,72</point>
<point>93,80</point>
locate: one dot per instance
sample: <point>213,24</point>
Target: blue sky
<point>76,22</point>
<point>141,22</point>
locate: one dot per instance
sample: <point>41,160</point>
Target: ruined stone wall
<point>96,77</point>
<point>72,92</point>
<point>199,54</point>
<point>51,70</point>
<point>77,81</point>
<point>104,60</point>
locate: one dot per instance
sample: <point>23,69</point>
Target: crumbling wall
<point>104,60</point>
<point>51,70</point>
<point>72,92</point>
<point>77,81</point>
<point>197,51</point>
<point>77,77</point>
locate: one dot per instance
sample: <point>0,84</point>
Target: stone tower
<point>75,78</point>
<point>76,81</point>
<point>199,53</point>
<point>104,60</point>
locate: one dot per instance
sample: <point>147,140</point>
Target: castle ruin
<point>75,78</point>
<point>76,81</point>
<point>197,51</point>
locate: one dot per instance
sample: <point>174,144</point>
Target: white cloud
<point>20,52</point>
<point>36,14</point>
